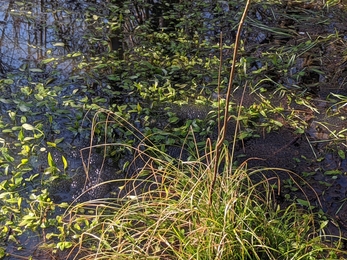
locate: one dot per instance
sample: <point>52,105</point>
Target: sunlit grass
<point>164,212</point>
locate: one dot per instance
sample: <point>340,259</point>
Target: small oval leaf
<point>28,127</point>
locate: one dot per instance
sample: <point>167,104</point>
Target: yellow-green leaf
<point>64,162</point>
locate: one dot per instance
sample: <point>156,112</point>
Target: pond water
<point>41,45</point>
<point>43,42</point>
<point>36,30</point>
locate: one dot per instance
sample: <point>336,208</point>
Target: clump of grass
<point>164,212</point>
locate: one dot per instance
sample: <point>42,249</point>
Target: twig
<point>219,78</point>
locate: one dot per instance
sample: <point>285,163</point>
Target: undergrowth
<point>164,212</point>
<point>206,208</point>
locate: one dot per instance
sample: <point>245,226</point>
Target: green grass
<point>165,214</point>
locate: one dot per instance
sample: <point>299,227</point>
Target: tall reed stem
<point>223,131</point>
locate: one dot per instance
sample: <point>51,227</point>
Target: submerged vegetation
<point>148,147</point>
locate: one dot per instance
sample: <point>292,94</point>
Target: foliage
<point>145,99</point>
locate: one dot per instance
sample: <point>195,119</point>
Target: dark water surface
<point>43,41</point>
<point>37,30</point>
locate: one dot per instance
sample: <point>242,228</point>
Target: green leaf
<point>64,245</point>
<point>332,172</point>
<point>7,157</point>
<point>64,162</point>
<point>21,136</point>
<point>303,202</point>
<point>50,160</point>
<point>58,44</point>
<point>23,162</point>
<point>24,108</point>
<point>28,127</point>
<point>278,123</point>
<point>23,119</point>
<point>2,252</point>
<point>49,80</point>
<point>59,140</point>
<point>77,226</point>
<point>36,70</point>
<point>48,61</point>
<point>29,138</point>
<point>50,144</point>
<point>23,67</point>
<point>32,177</point>
<point>8,81</point>
<point>173,119</point>
<point>323,224</point>
<point>5,101</point>
<point>342,154</point>
<point>64,205</point>
<point>19,202</point>
<point>38,97</point>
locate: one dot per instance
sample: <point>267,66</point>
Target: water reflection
<point>41,29</point>
<point>62,31</point>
